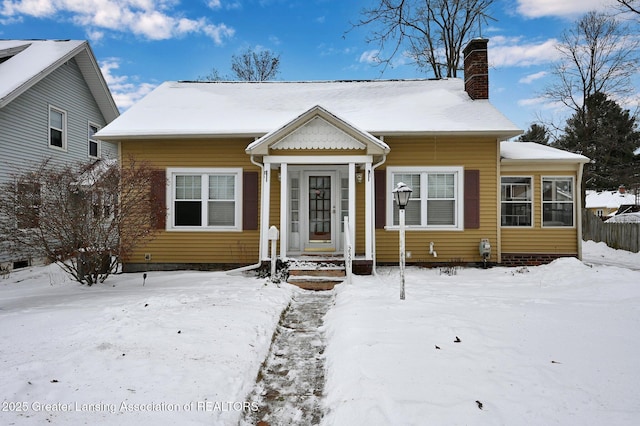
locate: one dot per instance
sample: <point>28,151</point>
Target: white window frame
<point>204,173</point>
<point>531,201</point>
<point>91,140</point>
<point>573,201</point>
<point>458,173</point>
<point>63,130</point>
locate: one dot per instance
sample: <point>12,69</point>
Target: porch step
<point>316,273</point>
<point>309,282</point>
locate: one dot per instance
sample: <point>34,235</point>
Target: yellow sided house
<point>319,160</point>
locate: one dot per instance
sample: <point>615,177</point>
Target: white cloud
<point>542,103</point>
<point>563,8</point>
<point>95,36</point>
<point>125,92</point>
<point>327,50</point>
<point>233,5</point>
<point>275,40</point>
<point>151,19</point>
<point>370,57</point>
<point>532,101</point>
<point>214,4</point>
<point>218,32</point>
<point>510,52</point>
<point>37,8</point>
<point>533,77</point>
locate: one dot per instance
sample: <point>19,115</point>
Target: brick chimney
<point>476,69</point>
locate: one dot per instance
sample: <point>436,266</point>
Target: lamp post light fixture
<point>402,193</point>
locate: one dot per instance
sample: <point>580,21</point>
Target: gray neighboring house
<point>53,99</point>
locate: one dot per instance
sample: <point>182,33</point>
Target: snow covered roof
<point>531,152</point>
<point>608,199</point>
<point>23,63</point>
<point>380,107</point>
<point>625,218</point>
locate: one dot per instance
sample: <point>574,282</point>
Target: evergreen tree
<point>536,133</point>
<point>607,134</point>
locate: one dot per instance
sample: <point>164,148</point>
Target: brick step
<point>317,272</point>
<point>311,282</point>
<point>337,271</point>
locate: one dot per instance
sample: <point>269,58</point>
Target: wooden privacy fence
<point>625,236</point>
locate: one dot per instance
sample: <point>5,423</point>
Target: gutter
<point>259,264</point>
<point>579,212</point>
<point>373,234</point>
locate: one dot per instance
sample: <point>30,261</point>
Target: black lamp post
<point>402,193</point>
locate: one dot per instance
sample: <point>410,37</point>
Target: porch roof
<point>346,136</point>
<point>250,109</point>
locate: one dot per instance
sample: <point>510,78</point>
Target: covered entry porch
<point>317,170</point>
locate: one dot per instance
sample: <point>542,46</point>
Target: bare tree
<point>214,75</point>
<point>255,66</point>
<point>84,217</point>
<point>597,56</point>
<point>433,31</point>
<point>630,6</point>
<point>251,65</point>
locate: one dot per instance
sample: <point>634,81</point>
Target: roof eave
<point>544,161</point>
<point>99,88</point>
<point>169,136</point>
<point>109,113</point>
<point>498,134</point>
<point>489,133</point>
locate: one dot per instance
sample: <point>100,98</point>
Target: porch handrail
<point>348,249</point>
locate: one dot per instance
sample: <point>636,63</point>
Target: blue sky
<point>141,43</point>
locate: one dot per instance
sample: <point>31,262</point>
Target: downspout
<point>579,212</point>
<point>255,265</point>
<point>373,236</point>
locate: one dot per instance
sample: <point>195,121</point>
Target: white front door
<point>319,207</point>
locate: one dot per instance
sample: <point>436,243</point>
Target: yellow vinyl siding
<point>469,153</point>
<point>539,239</point>
<point>190,152</point>
<point>199,246</point>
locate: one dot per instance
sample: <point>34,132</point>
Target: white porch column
<point>352,201</point>
<point>284,197</point>
<point>264,210</point>
<point>368,212</point>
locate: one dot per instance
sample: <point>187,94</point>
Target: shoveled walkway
<point>291,381</point>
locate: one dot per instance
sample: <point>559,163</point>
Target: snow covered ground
<point>555,344</point>
<point>186,347</point>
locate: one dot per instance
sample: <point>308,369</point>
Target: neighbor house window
<point>206,198</point>
<point>436,200</point>
<point>557,201</point>
<point>29,204</point>
<point>57,128</point>
<point>516,201</point>
<point>102,205</point>
<point>94,144</point>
